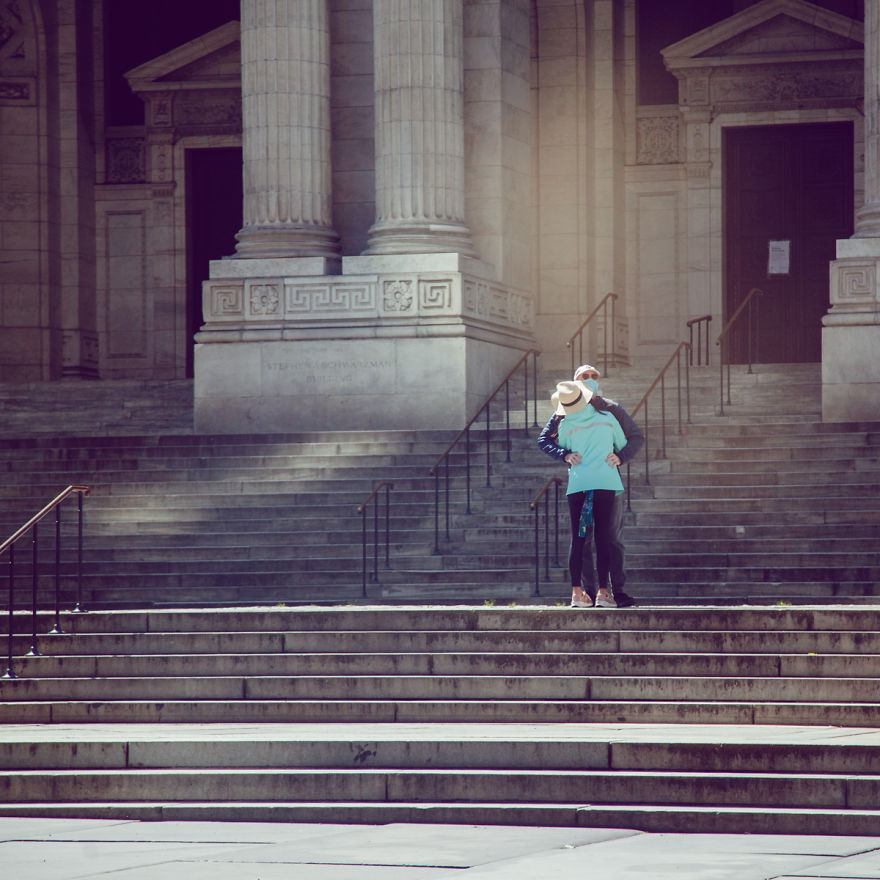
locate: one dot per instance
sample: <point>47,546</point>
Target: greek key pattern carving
<point>435,296</point>
<point>331,299</point>
<point>397,296</point>
<point>857,281</point>
<point>264,300</point>
<point>491,303</point>
<point>657,140</point>
<point>226,302</point>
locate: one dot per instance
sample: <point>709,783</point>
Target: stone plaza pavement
<point>118,849</point>
<point>69,849</point>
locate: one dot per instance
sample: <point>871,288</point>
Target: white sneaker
<point>605,602</point>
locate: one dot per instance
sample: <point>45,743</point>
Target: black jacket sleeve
<point>547,439</point>
<point>635,439</point>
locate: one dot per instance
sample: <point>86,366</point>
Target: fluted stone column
<point>868,218</point>
<point>419,106</point>
<point>851,329</point>
<point>285,72</point>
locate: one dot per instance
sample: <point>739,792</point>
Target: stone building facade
<point>361,213</point>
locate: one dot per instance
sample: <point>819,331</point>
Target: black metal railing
<point>702,332</point>
<point>750,303</point>
<point>535,505</point>
<point>8,546</point>
<point>443,462</point>
<point>373,498</point>
<point>683,400</point>
<point>606,305</point>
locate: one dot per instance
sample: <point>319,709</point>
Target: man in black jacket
<point>635,439</point>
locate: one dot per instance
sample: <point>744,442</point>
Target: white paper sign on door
<point>779,258</point>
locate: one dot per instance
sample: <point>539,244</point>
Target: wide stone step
<point>816,791</point>
<point>585,643</point>
<point>646,817</point>
<point>481,711</point>
<point>509,687</point>
<point>454,663</point>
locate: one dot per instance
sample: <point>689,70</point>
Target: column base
<point>412,238</point>
<point>851,335</point>
<point>286,240</point>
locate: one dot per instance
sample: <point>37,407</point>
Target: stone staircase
<point>763,504</point>
<point>677,719</point>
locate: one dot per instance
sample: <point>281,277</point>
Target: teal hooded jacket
<point>595,435</point>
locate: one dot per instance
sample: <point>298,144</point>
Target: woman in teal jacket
<point>593,483</point>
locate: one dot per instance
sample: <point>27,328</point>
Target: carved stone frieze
<point>369,298</point>
<point>217,111</point>
<point>787,87</point>
<point>126,160</point>
<point>330,299</point>
<point>657,140</point>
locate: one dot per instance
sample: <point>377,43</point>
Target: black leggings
<point>607,514</point>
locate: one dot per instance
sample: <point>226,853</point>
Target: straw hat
<point>570,397</point>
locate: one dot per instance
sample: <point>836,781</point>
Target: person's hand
<point>573,458</point>
<point>612,460</point>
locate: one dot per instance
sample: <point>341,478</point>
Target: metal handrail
<point>702,325</point>
<point>535,505</point>
<point>9,544</point>
<point>661,380</point>
<point>361,510</point>
<point>465,432</point>
<point>579,333</point>
<point>723,336</point>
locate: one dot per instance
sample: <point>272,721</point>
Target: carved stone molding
<point>373,300</point>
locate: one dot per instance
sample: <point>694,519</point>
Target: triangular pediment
<point>773,30</point>
<point>214,59</point>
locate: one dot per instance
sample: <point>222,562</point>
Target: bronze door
<point>793,185</point>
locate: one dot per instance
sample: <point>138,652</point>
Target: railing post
<point>363,554</point>
<point>467,469</point>
<point>10,667</point>
<point>663,416</point>
<point>488,436</point>
<point>375,539</point>
<point>33,652</point>
<point>79,554</point>
<point>507,418</point>
<point>436,512</point>
<point>556,517</point>
<point>535,388</point>
<point>647,447</point>
<point>546,537</point>
<point>536,508</point>
<point>388,488</point>
<point>56,629</point>
<point>446,486</point>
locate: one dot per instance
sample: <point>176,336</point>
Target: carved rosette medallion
<point>264,300</point>
<point>397,296</point>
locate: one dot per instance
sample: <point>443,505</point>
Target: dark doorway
<point>794,184</point>
<point>213,217</point>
